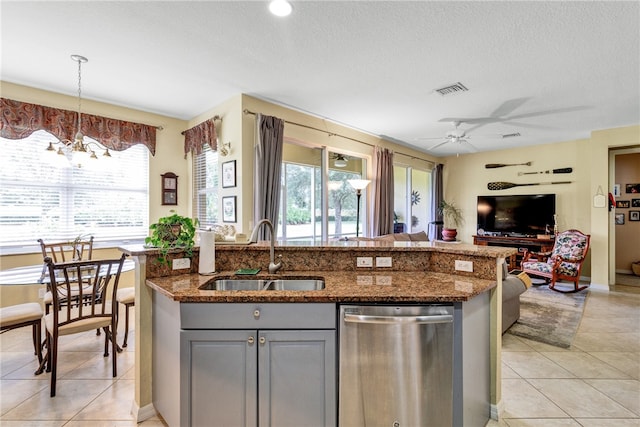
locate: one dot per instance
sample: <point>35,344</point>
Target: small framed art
<point>229,209</point>
<point>634,215</point>
<point>632,188</point>
<point>229,174</point>
<point>623,203</point>
<point>620,219</point>
<point>169,188</point>
<point>635,203</point>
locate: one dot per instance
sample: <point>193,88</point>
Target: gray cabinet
<point>262,376</point>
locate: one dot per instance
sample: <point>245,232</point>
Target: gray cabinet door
<point>219,382</point>
<point>297,378</point>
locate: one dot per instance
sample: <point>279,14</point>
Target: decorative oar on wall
<point>561,170</point>
<point>502,165</point>
<point>506,185</point>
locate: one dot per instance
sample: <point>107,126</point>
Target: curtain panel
<point>197,136</point>
<point>21,119</point>
<point>268,168</point>
<point>383,192</point>
<point>435,226</point>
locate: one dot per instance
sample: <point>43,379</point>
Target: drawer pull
<point>251,340</point>
<point>256,313</point>
<point>263,340</point>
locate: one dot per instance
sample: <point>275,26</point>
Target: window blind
<point>205,186</point>
<point>43,196</point>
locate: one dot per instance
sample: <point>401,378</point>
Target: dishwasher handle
<point>416,320</point>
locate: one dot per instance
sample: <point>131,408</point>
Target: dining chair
<point>96,282</point>
<point>21,315</point>
<point>126,297</point>
<point>75,250</point>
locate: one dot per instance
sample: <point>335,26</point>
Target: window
<point>205,186</point>
<point>411,199</point>
<point>303,215</point>
<point>43,196</point>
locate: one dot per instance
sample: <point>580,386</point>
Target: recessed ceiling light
<point>280,7</point>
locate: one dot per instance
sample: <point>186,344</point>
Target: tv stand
<point>531,243</point>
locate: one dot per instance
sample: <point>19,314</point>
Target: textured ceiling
<point>551,71</point>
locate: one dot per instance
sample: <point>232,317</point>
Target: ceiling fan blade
<point>507,107</point>
<point>437,145</point>
<point>469,145</point>
<point>546,113</point>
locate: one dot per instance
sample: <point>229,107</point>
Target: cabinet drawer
<point>257,316</point>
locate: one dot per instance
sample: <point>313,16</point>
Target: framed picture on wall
<point>616,190</point>
<point>229,209</point>
<point>634,215</point>
<point>623,204</point>
<point>169,188</point>
<point>635,203</point>
<point>620,219</point>
<point>632,188</point>
<point>229,174</point>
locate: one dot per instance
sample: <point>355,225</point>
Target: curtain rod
<point>214,118</point>
<point>245,111</point>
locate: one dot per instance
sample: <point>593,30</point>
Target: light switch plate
<point>364,261</point>
<point>464,265</point>
<point>383,261</point>
<point>181,263</point>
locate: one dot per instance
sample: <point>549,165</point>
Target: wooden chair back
<point>75,250</point>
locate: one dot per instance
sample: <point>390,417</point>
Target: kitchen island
<point>421,273</point>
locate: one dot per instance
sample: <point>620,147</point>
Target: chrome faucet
<point>273,267</point>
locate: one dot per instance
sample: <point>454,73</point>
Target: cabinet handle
<point>263,340</point>
<point>256,313</point>
<point>250,340</point>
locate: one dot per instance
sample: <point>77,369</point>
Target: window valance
<point>21,119</point>
<point>197,136</point>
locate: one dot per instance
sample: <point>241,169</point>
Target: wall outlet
<point>464,265</point>
<point>364,261</point>
<point>383,261</point>
<point>181,263</point>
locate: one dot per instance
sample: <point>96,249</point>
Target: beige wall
<point>465,178</point>
<point>627,236</point>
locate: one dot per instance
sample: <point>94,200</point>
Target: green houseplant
<point>452,217</point>
<point>172,232</point>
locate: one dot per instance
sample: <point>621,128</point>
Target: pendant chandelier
<point>77,151</point>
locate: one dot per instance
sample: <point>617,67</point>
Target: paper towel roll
<point>207,263</point>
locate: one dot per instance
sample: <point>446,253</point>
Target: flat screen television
<point>517,215</point>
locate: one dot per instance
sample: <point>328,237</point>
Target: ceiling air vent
<point>511,135</point>
<point>451,89</point>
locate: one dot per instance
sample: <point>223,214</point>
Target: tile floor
<point>595,383</point>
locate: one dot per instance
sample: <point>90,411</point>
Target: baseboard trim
<point>496,410</point>
<point>144,413</point>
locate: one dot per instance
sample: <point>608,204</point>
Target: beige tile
<point>514,343</point>
<point>99,366</point>
<point>625,392</point>
<point>499,423</point>
<point>507,372</point>
<point>583,365</point>
<point>579,399</point>
<point>601,341</point>
<point>627,362</point>
<point>71,397</point>
<point>12,361</point>
<point>522,400</point>
<point>615,422</point>
<point>543,422</point>
<point>534,365</point>
<point>39,423</point>
<point>613,324</point>
<point>67,362</point>
<point>113,404</point>
<point>14,392</point>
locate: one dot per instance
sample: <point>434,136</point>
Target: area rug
<point>548,316</point>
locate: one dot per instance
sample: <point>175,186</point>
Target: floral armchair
<point>564,262</point>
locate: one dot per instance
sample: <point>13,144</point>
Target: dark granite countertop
<point>340,286</point>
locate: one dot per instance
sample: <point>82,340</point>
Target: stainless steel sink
<point>288,284</point>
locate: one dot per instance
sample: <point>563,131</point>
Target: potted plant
<point>452,216</point>
<point>172,232</point>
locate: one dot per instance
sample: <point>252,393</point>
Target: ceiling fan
<point>454,136</point>
<point>339,160</point>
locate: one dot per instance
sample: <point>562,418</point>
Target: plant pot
<point>449,234</point>
<point>635,267</point>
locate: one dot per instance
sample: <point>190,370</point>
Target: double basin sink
<point>263,284</point>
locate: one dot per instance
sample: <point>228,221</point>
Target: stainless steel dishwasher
<point>396,366</point>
